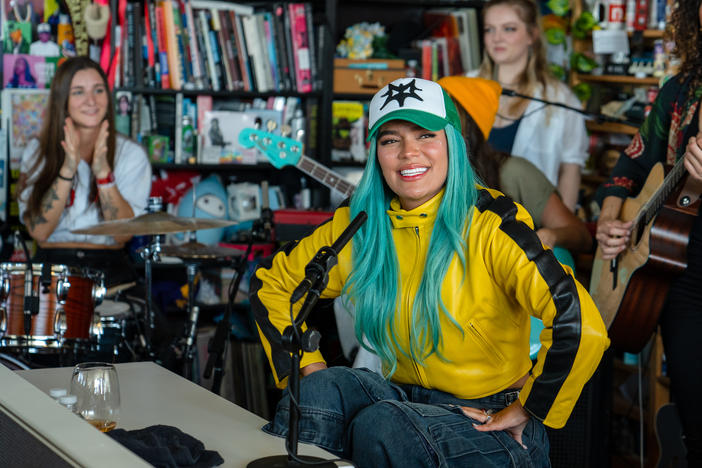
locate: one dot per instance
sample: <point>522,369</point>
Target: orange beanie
<point>478,96</point>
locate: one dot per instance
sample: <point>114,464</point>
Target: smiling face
<point>88,99</point>
<point>507,37</point>
<point>414,161</point>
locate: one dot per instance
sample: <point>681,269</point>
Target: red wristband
<point>109,180</point>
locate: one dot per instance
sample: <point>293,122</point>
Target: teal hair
<point>374,282</point>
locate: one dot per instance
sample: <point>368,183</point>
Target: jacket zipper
<point>417,370</point>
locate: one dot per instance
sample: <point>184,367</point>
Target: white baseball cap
<point>419,101</point>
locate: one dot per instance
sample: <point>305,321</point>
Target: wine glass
<point>97,388</point>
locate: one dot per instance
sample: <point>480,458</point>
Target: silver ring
<point>488,419</point>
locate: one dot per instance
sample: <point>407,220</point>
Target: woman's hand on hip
<point>70,144</point>
<point>512,419</point>
<point>100,166</point>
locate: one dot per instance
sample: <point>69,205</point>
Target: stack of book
<point>198,44</point>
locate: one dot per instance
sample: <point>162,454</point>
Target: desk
<point>152,395</point>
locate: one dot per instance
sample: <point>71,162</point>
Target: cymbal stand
<point>151,252</point>
<point>191,325</point>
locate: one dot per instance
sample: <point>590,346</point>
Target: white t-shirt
<point>549,139</point>
<point>132,174</point>
<point>45,49</point>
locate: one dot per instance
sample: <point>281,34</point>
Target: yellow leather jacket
<point>510,275</point>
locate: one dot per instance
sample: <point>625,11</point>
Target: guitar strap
<point>692,189</point>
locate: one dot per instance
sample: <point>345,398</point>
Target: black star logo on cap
<point>400,93</point>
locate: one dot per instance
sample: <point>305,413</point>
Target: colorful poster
<point>28,71</point>
<point>23,114</point>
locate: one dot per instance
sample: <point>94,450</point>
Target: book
<point>225,59</point>
<point>243,55</point>
<point>162,51</point>
<point>255,49</point>
<point>205,33</point>
<point>174,65</point>
<point>301,46</point>
<point>157,148</point>
<point>195,52</point>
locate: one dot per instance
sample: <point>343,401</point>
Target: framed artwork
<point>23,114</point>
<point>219,134</point>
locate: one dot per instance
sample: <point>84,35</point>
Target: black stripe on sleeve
<point>567,322</point>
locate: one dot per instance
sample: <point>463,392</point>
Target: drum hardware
<point>191,326</point>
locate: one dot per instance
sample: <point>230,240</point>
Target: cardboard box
<point>365,76</point>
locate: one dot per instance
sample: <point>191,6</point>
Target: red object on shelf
<point>313,218</point>
<point>293,225</point>
<point>257,250</point>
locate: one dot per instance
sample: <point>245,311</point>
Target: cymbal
<point>196,250</point>
<point>152,223</point>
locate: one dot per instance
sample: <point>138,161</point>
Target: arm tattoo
<point>109,210</point>
<point>36,220</point>
<point>47,203</point>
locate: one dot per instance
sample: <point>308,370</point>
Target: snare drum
<point>117,332</point>
<point>66,305</point>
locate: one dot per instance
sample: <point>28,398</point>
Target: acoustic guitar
<point>630,290</point>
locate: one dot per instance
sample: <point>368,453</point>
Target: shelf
<point>647,34</point>
<point>610,127</point>
<point>352,97</point>
<point>428,3</point>
<point>227,94</point>
<point>621,79</point>
<point>212,167</point>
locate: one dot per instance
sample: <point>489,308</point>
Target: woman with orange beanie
<point>477,101</point>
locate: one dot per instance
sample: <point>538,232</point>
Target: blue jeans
<point>358,415</point>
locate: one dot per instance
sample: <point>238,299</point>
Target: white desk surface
<point>153,395</point>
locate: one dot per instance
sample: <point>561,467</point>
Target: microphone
<point>31,302</point>
<point>317,269</point>
<point>597,117</point>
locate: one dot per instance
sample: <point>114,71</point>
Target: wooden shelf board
<point>610,127</point>
<point>212,167</point>
<point>621,79</point>
<point>647,34</point>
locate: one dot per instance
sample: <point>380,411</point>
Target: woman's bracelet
<point>106,182</point>
<point>69,179</point>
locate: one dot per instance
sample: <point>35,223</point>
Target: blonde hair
<point>536,71</point>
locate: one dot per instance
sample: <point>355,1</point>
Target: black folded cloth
<point>167,447</point>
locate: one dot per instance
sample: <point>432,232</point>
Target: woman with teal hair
<point>444,276</point>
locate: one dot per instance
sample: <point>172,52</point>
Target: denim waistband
<point>419,394</point>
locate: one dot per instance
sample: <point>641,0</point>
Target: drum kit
<point>73,314</point>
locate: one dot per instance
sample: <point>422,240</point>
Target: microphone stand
<point>297,342</point>
<point>218,343</point>
<point>599,118</point>
<point>262,229</point>
<point>31,302</point>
